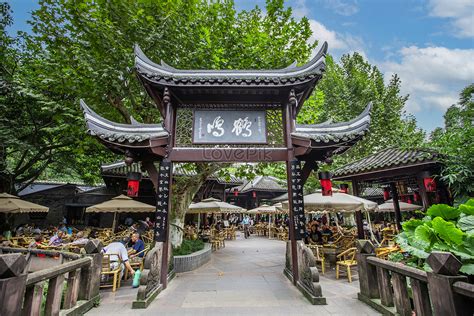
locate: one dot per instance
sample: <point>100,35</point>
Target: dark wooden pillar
<point>423,194</point>
<point>358,214</point>
<point>289,126</point>
<point>396,205</point>
<point>163,207</point>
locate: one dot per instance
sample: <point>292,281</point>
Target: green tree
<point>456,143</point>
<point>343,93</point>
<point>87,51</point>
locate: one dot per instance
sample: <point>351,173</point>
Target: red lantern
<point>428,181</point>
<point>236,192</point>
<point>409,201</point>
<point>254,194</point>
<point>386,194</point>
<point>326,184</point>
<point>344,188</point>
<point>133,183</point>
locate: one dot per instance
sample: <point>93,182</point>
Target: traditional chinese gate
<point>228,116</point>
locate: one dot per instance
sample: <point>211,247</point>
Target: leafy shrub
<point>444,228</point>
<point>188,247</point>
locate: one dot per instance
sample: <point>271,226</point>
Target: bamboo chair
<point>137,262</point>
<point>347,260</point>
<point>107,270</point>
<point>319,255</point>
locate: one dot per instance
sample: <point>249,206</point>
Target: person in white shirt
<point>117,250</point>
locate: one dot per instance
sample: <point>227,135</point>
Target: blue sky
<point>428,43</point>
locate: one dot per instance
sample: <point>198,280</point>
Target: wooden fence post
<point>89,280</point>
<point>12,283</point>
<point>445,272</point>
<point>367,272</point>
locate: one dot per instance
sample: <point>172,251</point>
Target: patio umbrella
<point>121,204</point>
<point>338,202</point>
<point>13,204</point>
<point>212,205</point>
<point>404,207</point>
<point>264,209</point>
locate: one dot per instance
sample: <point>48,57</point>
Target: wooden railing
<point>385,285</point>
<point>22,293</point>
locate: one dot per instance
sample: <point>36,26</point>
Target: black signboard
<point>163,200</point>
<point>299,220</point>
<point>229,127</point>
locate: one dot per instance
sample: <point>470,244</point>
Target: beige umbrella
<point>212,205</point>
<point>338,202</point>
<point>269,210</point>
<point>13,204</point>
<point>264,209</point>
<point>121,204</point>
<point>404,207</point>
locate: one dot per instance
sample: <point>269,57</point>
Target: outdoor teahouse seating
<point>319,255</point>
<point>137,262</point>
<point>346,259</point>
<point>108,271</point>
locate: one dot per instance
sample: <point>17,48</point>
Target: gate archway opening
<point>229,116</point>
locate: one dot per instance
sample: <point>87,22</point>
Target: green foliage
<point>466,224</point>
<point>344,92</point>
<point>445,229</point>
<point>188,246</point>
<point>444,211</point>
<point>456,143</point>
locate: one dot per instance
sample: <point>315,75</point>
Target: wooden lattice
<point>184,130</point>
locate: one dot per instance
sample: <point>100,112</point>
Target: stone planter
<point>192,261</point>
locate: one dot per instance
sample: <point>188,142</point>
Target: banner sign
<point>229,127</point>
<point>299,219</point>
<point>163,200</point>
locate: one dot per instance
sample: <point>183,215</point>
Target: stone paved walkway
<point>245,278</point>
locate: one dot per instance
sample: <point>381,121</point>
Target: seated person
<point>63,228</point>
<point>135,246</point>
<point>57,240</point>
<point>117,252</point>
<point>315,236</point>
<point>80,239</point>
<point>37,242</point>
<point>5,242</point>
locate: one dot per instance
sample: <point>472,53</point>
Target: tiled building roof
<point>388,158</point>
<point>121,169</point>
<point>261,183</point>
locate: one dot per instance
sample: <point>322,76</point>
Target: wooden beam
<point>396,206</point>
<point>228,154</point>
<point>307,168</point>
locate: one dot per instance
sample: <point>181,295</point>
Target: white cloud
<point>342,7</point>
<point>461,12</point>
<point>338,43</point>
<point>433,76</point>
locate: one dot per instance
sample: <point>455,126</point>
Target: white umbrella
<point>338,202</point>
<point>404,207</point>
<point>212,205</point>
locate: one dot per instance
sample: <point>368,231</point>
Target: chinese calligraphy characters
<point>216,127</point>
<point>242,125</point>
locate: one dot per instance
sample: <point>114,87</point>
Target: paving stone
<point>244,278</point>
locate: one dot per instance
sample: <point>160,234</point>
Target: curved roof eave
<point>135,132</point>
<point>316,65</point>
<point>356,126</point>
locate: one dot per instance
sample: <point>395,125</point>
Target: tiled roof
<point>261,183</point>
<point>329,132</point>
<point>121,169</point>
<point>120,133</point>
<point>388,158</point>
<point>169,76</point>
